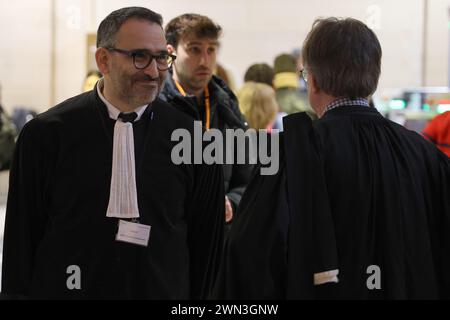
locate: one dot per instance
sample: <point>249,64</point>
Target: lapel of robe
<point>311,240</point>
<point>101,146</point>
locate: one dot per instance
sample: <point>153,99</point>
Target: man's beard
<point>134,94</point>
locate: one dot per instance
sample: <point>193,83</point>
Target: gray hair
<point>107,31</point>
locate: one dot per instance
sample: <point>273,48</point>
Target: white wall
<point>438,43</point>
<point>254,31</point>
<point>25,53</point>
<point>259,30</point>
<point>73,22</point>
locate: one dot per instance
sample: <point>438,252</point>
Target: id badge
<point>133,233</point>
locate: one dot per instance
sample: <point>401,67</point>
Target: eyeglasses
<point>142,58</point>
<point>304,74</point>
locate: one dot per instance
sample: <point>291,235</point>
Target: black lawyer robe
<point>57,202</point>
<point>354,190</point>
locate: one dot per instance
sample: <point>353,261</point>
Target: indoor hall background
<point>44,52</point>
<point>43,57</point>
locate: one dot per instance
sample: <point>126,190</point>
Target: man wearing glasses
<point>96,208</point>
<point>360,208</point>
<point>191,87</point>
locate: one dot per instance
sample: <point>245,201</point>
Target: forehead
<point>141,34</point>
<point>191,40</point>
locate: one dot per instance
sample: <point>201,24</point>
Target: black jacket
<point>225,114</point>
<point>354,191</point>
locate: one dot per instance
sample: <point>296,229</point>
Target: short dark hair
<point>107,31</point>
<point>191,23</point>
<point>261,73</point>
<point>344,56</point>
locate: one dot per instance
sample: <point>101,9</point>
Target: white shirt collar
<point>112,110</point>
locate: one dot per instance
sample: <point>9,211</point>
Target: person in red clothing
<point>438,132</point>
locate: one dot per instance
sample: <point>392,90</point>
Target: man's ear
<point>170,49</point>
<point>313,83</point>
<point>103,60</point>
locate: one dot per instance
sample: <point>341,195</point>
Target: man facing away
<point>96,208</point>
<point>360,207</point>
<point>192,88</point>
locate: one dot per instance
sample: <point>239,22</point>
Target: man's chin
<point>146,99</point>
<point>202,83</point>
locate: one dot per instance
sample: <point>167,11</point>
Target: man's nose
<point>152,69</point>
<point>204,58</point>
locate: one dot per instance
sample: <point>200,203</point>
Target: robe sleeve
<point>25,214</point>
<point>254,264</point>
<point>238,182</point>
<point>442,216</point>
<point>205,214</point>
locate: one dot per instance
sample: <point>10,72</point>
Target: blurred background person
<point>287,87</point>
<point>8,135</point>
<point>260,72</point>
<point>91,79</point>
<point>438,132</point>
<point>257,102</point>
<point>263,73</point>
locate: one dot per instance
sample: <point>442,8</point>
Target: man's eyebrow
<point>194,43</point>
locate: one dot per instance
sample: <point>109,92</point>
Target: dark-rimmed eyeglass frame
<point>166,64</point>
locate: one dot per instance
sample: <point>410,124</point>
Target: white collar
<point>112,110</point>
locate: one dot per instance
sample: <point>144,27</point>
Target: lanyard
<point>207,102</point>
